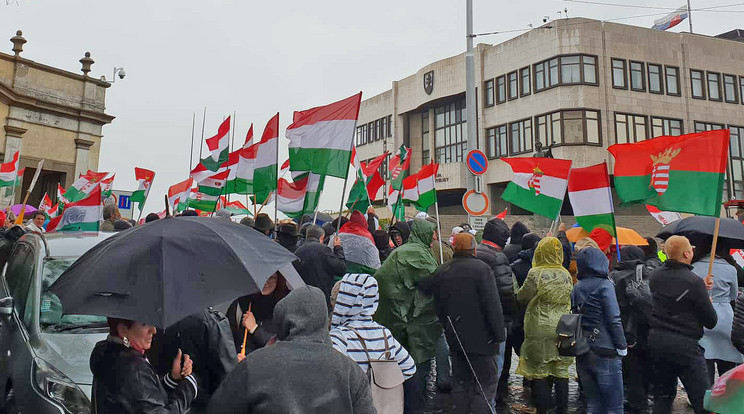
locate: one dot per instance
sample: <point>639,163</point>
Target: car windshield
<point>51,318</point>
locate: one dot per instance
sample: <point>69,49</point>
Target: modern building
<point>572,88</point>
<point>50,114</point>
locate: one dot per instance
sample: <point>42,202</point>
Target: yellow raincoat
<point>547,293</point>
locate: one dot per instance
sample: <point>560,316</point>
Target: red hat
<point>602,237</point>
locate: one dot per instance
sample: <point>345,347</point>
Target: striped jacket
<point>352,317</point>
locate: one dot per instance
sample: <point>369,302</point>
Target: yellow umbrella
<point>628,237</point>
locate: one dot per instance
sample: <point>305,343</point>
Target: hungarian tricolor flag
<point>589,192</point>
<point>61,195</point>
<point>399,165</point>
<point>663,217</point>
<point>418,189</point>
<point>237,208</point>
<point>219,146</point>
<point>144,179</point>
<point>9,172</point>
<point>81,215</point>
<point>539,184</point>
<point>46,204</point>
<point>368,182</point>
<point>320,139</point>
<point>241,165</point>
<point>84,185</point>
<point>178,195</point>
<point>107,186</point>
<point>265,172</point>
<point>683,173</point>
<point>300,196</point>
<point>208,192</point>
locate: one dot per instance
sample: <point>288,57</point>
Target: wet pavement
<point>518,400</point>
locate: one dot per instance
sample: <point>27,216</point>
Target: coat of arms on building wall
<point>429,82</point>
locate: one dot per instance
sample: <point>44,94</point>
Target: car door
<point>17,281</point>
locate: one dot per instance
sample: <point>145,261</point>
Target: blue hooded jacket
<point>594,297</point>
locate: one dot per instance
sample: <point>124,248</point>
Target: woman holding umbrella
<point>124,381</point>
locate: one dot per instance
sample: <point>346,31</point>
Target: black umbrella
<point>700,228</point>
<point>163,271</point>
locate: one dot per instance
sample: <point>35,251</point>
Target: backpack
<point>571,340</point>
<point>639,297</point>
<point>385,379</point>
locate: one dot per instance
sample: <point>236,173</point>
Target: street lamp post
<point>470,100</point>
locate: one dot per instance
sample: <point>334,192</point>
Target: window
<point>501,89</point>
<point>526,85</point>
<point>570,69</point>
<point>706,126</point>
<point>378,129</point>
<point>513,86</point>
<point>383,127</point>
<point>425,145</point>
<point>665,126</point>
<point>741,88</point>
<point>637,77</point>
<point>548,129</point>
<point>698,87</point>
<point>730,90</point>
<point>655,84</point>
<point>496,145</point>
<point>568,127</point>
<point>389,126</point>
<point>553,71</point>
<point>359,136</point>
<point>629,128</point>
<point>520,137</point>
<point>562,70</point>
<point>590,69</point>
<point>672,80</point>
<point>737,161</point>
<point>714,86</point>
<point>450,133</point>
<point>540,79</point>
<point>18,276</point>
<point>619,77</point>
<point>371,132</point>
<point>488,96</point>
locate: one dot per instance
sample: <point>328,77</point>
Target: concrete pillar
<point>13,134</point>
<point>82,158</point>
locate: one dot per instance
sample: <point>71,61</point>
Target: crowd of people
<point>384,311</point>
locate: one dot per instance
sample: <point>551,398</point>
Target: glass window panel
<point>542,130</point>
<point>491,142</point>
<point>654,79</point>
<point>590,69</point>
<point>570,69</point>
<point>735,142</point>
<point>621,128</point>
<point>672,80</point>
<point>573,127</point>
<point>557,132</point>
<point>640,128</point>
<point>618,73</point>
<point>515,138</point>
<point>592,127</point>
<point>489,92</point>
<point>513,86</point>
<point>540,76</point>
<point>714,86</point>
<point>741,88</point>
<point>503,137</point>
<point>698,89</point>
<point>737,167</point>
<point>553,63</point>
<point>526,84</point>
<point>729,88</point>
<point>637,79</point>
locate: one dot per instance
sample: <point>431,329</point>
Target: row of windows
<point>716,86</point>
<point>374,131</point>
<point>560,70</point>
<point>652,77</point>
<point>450,133</point>
<point>631,128</point>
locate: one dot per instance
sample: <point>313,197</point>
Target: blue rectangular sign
<point>124,202</point>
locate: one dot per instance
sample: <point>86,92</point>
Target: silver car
<point>44,355</point>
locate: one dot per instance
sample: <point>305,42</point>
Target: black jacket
<point>522,266</point>
<point>737,330</point>
<point>499,264</point>
<point>124,382</point>
<point>464,290</point>
<point>301,373</point>
<point>635,329</point>
<point>319,265</point>
<point>650,264</point>
<point>680,301</point>
<point>512,249</point>
<point>263,309</point>
<point>207,339</point>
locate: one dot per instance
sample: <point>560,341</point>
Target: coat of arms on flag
<point>534,181</point>
<point>660,171</point>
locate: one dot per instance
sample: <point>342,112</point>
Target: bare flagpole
<point>232,148</point>
<point>276,198</point>
<point>689,15</point>
<point>436,210</point>
<point>191,156</point>
<point>201,143</point>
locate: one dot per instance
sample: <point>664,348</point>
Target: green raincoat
<point>547,293</point>
<point>407,312</point>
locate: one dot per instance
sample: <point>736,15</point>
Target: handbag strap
<point>364,344</point>
<point>639,273</point>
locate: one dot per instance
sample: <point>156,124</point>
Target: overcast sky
<point>262,57</point>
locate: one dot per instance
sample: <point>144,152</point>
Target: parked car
<point>44,354</point>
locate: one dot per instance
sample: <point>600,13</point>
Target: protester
<point>583,243</point>
<point>599,369</point>
<point>37,222</point>
<point>407,312</point>
<point>382,242</point>
<point>301,372</point>
<point>473,323</point>
<point>651,255</point>
<point>329,230</point>
<point>603,238</point>
<point>122,225</point>
<point>125,382</point>
<point>512,249</point>
<point>360,250</point>
<point>455,231</point>
<point>288,236</point>
<point>255,313</point>
<point>319,265</point>
<point>190,213</point>
<point>110,216</point>
<point>399,233</point>
<point>248,221</point>
<point>635,320</point>
<point>151,217</point>
<point>547,293</point>
<point>353,331</point>
<point>373,222</point>
<point>719,350</point>
<point>264,224</point>
<point>681,308</point>
<point>446,246</point>
<point>523,264</point>
<point>9,219</point>
<point>206,338</point>
<point>737,329</point>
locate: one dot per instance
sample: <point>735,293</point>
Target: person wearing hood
<point>583,243</point>
<point>512,249</point>
<point>467,304</point>
<point>547,294</point>
<point>447,252</point>
<point>651,259</point>
<point>301,372</point>
<point>329,231</point>
<point>399,233</point>
<point>125,382</point>
<point>353,330</point>
<point>523,264</point>
<point>594,299</point>
<point>408,312</point>
<point>382,242</point>
<point>360,250</point>
<point>319,265</point>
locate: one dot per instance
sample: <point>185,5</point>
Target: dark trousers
<point>677,356</point>
<point>467,397</point>
<point>602,379</point>
<point>723,367</point>
<point>542,392</point>
<point>637,373</point>
<point>514,341</point>
<point>414,389</point>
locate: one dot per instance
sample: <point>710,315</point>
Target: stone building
<point>51,114</point>
<point>573,87</point>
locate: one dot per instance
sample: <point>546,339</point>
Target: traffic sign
<point>124,202</point>
<point>476,204</point>
<point>477,162</point>
<point>478,222</point>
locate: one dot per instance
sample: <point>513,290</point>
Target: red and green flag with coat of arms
<point>539,184</point>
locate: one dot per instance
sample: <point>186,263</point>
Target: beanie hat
<point>602,237</point>
<point>496,231</point>
<point>529,241</point>
<point>464,243</point>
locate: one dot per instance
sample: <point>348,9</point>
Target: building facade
<point>50,114</point>
<point>572,87</point>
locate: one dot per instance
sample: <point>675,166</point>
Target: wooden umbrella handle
<point>245,335</point>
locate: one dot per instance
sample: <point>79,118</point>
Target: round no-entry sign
<point>477,162</point>
<point>476,204</point>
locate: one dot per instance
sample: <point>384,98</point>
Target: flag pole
<point>713,249</point>
<point>552,225</point>
<point>201,143</point>
<point>276,199</point>
<point>266,201</point>
<point>612,209</point>
<point>191,155</point>
<point>436,210</point>
<point>232,148</point>
<point>689,17</point>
